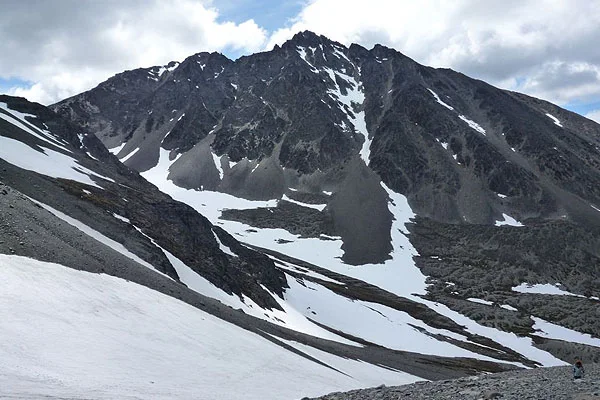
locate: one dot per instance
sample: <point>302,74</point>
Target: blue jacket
<point>578,371</point>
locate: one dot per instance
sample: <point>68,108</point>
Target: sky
<point>545,48</point>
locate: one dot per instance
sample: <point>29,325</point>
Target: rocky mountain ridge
<point>351,196</point>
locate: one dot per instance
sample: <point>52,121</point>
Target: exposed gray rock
<point>542,383</point>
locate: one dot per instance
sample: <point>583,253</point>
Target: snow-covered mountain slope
<point>425,186</point>
<point>106,219</point>
<point>344,199</point>
<point>101,340</point>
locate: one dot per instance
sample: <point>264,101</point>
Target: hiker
<point>578,370</point>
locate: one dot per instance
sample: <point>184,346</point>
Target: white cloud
<point>594,115</point>
<point>543,47</point>
<point>75,45</point>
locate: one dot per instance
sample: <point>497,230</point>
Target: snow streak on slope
<point>545,288</point>
<point>552,331</point>
<point>118,247</point>
<point>554,119</point>
<point>18,119</point>
<point>508,220</point>
<point>47,162</point>
<point>350,101</point>
<point>437,98</point>
<point>373,322</point>
<point>473,124</point>
<point>97,336</point>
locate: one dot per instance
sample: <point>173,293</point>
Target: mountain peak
<point>309,38</point>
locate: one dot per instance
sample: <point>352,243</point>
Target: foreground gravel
<point>542,383</point>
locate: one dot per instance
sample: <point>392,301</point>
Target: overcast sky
<point>52,49</point>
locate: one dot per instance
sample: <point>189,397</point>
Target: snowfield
<point>398,275</point>
<point>100,337</point>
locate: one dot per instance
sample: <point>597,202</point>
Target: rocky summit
<point>347,214</point>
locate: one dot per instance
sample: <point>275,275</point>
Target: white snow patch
<point>552,331</point>
<point>301,270</point>
<point>543,288</point>
<point>554,119</point>
<point>508,307</point>
<point>398,275</point>
<point>117,150</point>
<point>99,336</point>
<point>128,156</point>
<point>371,321</point>
<point>473,124</point>
<point>594,207</point>
<point>17,119</point>
<point>480,301</point>
<point>182,115</point>
<point>502,196</point>
<point>48,162</point>
<point>508,220</point>
<point>319,207</point>
<point>354,96</point>
<point>122,218</point>
<point>444,145</point>
<point>223,248</point>
<point>437,98</point>
<point>217,161</point>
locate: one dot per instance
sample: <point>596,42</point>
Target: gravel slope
<point>542,383</point>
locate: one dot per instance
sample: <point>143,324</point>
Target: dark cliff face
<point>450,143</point>
<point>312,113</point>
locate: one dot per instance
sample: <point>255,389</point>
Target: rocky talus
<point>541,383</point>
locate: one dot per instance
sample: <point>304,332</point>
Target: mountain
<point>350,202</point>
<point>110,287</point>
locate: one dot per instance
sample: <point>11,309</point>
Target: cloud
<point>594,116</point>
<point>69,46</point>
<point>545,48</point>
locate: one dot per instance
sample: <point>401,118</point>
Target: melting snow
<point>128,156</point>
<point>354,95</point>
<point>546,288</point>
<point>319,207</point>
<point>473,124</point>
<point>552,331</point>
<point>224,248</point>
<point>480,301</point>
<point>371,321</point>
<point>49,162</point>
<point>553,118</point>
<point>302,53</point>
<point>217,161</point>
<point>117,150</point>
<point>398,275</point>
<point>437,98</point>
<point>508,220</point>
<point>122,218</point>
<point>508,307</point>
<point>17,119</point>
